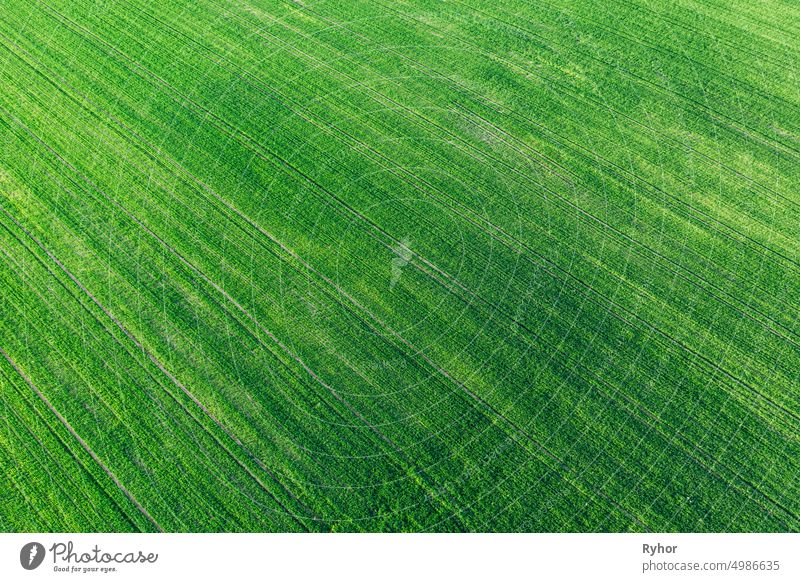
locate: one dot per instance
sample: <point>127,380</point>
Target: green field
<point>406,265</point>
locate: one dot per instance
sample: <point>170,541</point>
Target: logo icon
<point>403,255</point>
<point>31,555</point>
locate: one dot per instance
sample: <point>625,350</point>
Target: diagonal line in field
<point>83,443</point>
<point>175,381</point>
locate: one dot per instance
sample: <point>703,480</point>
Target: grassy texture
<point>409,265</point>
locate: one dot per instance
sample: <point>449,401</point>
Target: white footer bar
<point>378,557</point>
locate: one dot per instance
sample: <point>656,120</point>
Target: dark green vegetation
<point>415,265</point>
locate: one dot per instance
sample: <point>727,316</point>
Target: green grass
<point>414,265</point>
